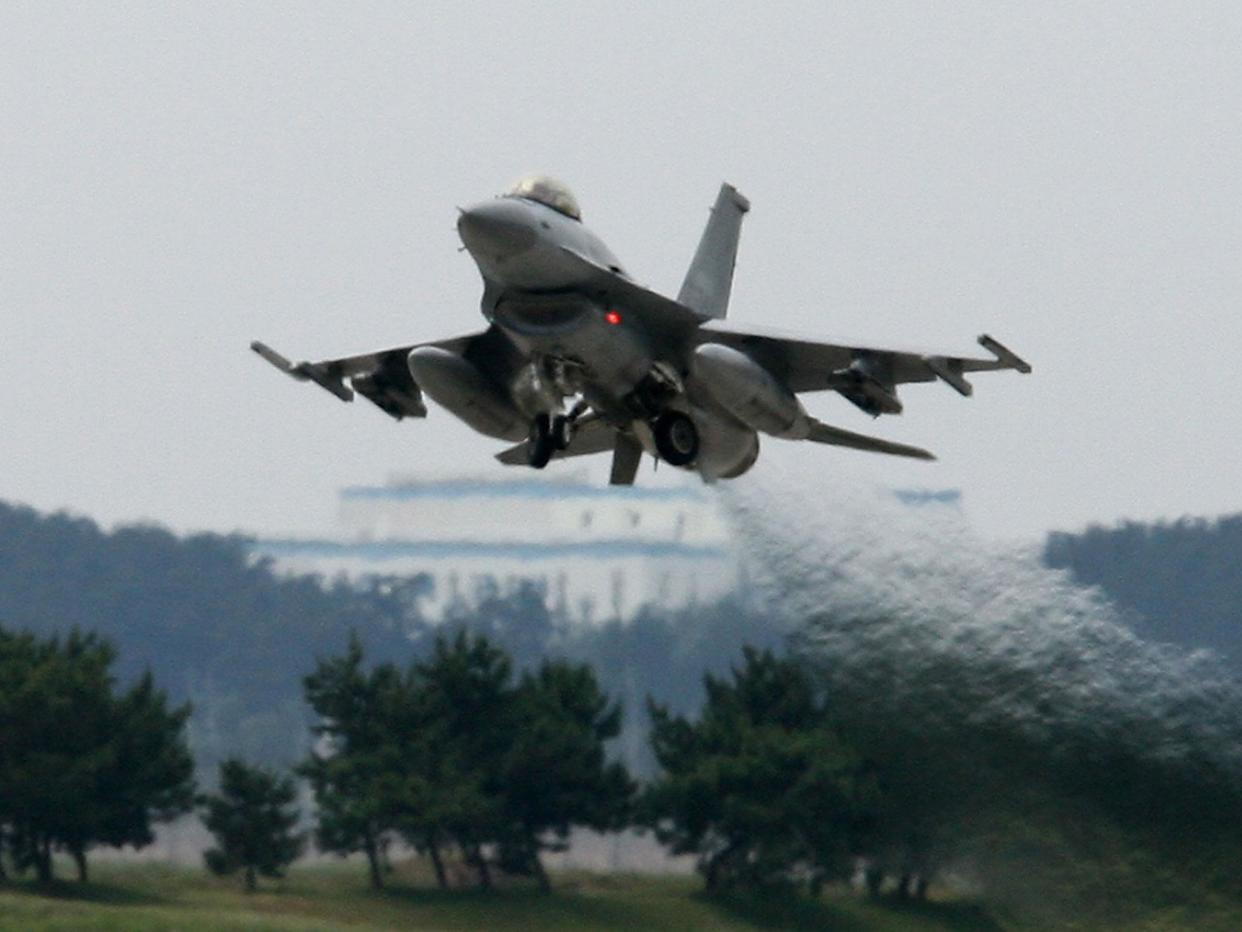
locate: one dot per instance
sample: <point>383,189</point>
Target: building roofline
<point>376,551</point>
<point>518,488</point>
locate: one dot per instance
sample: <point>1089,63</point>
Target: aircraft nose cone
<point>495,230</point>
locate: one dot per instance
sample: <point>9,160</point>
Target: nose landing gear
<point>548,434</point>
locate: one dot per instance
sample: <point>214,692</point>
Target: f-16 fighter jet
<point>577,358</point>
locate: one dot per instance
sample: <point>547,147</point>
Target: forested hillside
<point>214,626</point>
<point>222,630</point>
<point>219,628</point>
<point>1179,583</point>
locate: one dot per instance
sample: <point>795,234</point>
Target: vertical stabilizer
<point>710,277</point>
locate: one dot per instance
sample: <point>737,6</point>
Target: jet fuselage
<point>578,359</point>
<point>530,256</point>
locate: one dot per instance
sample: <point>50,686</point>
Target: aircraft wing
<point>383,377</point>
<point>865,375</point>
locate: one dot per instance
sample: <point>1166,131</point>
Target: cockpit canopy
<point>549,192</point>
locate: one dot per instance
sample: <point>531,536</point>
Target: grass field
<point>144,898</point>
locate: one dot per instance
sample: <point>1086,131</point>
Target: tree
<point>355,771</point>
<point>466,707</point>
<point>252,818</point>
<point>80,764</point>
<point>555,772</point>
<point>394,755</point>
<point>760,788</point>
<point>453,754</point>
<point>149,777</point>
<point>664,654</point>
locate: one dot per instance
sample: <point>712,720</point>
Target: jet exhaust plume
<point>911,618</point>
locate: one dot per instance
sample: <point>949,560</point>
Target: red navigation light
<point>612,317</point>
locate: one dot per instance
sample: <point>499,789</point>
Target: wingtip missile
<point>1004,354</point>
<point>276,359</point>
<point>305,371</point>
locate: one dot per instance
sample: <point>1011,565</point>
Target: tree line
<point>459,756</point>
<point>916,782</point>
<point>458,752</point>
<point>222,631</point>
<point>1179,582</point>
<point>471,762</point>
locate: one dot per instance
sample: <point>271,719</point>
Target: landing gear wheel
<point>676,438</point>
<point>562,431</point>
<point>540,443</point>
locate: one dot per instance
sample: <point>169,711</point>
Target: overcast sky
<point>178,179</point>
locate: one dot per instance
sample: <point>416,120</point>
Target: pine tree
<point>466,709</point>
<point>453,754</point>
<point>355,769</point>
<point>80,764</point>
<point>252,818</point>
<point>555,773</point>
<point>760,788</point>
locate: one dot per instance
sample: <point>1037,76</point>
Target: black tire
<point>539,444</point>
<point>676,438</point>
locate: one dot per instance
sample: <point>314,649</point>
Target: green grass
<point>144,898</point>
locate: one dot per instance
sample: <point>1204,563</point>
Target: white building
<point>602,551</point>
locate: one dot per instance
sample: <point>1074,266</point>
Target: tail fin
<point>710,276</point>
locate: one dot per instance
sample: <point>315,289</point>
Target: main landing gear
<point>675,434</point>
<point>676,438</point>
<point>548,434</point>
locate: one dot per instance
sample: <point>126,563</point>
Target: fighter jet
<point>577,358</point>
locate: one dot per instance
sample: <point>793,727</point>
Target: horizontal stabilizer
<point>595,436</point>
<point>515,455</point>
<point>835,436</point>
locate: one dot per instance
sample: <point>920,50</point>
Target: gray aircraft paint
<point>574,345</point>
